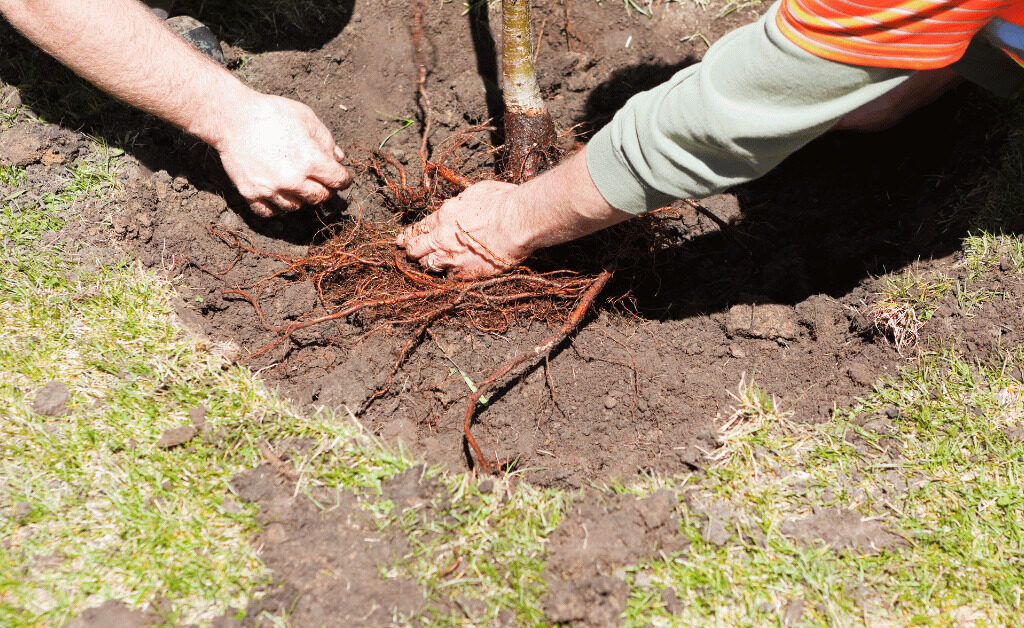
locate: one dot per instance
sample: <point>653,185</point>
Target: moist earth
<point>779,295</point>
<point>601,534</point>
<point>114,613</point>
<point>327,554</point>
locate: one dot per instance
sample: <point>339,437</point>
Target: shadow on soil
<point>846,208</point>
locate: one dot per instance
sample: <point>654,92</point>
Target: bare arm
<point>275,150</point>
<point>493,224</point>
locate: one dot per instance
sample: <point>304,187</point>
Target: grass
<point>100,511</point>
<point>906,302</point>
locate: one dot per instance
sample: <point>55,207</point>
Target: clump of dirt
<point>52,399</point>
<point>114,613</point>
<point>600,534</point>
<point>843,530</point>
<point>326,553</point>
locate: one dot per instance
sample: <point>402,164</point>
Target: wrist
<point>220,116</point>
<point>522,223</point>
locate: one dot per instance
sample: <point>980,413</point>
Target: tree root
<point>515,368</point>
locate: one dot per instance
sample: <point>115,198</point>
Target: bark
<point>529,132</point>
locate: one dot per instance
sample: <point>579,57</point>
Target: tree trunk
<point>529,131</point>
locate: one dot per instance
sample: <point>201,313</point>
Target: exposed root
<point>899,322</point>
<point>515,368</point>
<point>361,277</point>
<point>359,272</point>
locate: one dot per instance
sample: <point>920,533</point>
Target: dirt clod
<point>114,613</point>
<point>20,512</point>
<point>52,399</point>
<point>769,322</point>
<point>794,611</point>
<point>861,374</point>
<point>198,416</point>
<point>842,530</point>
<point>23,145</point>
<point>1014,433</point>
<point>671,601</point>
<point>587,602</point>
<point>177,436</point>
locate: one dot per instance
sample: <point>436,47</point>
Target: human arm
<point>493,225</point>
<point>755,99</point>
<point>275,150</point>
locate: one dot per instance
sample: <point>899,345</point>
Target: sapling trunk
<point>529,131</point>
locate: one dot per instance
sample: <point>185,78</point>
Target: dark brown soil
<point>599,535</point>
<point>327,554</point>
<point>779,297</point>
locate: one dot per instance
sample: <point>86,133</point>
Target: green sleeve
<point>753,100</point>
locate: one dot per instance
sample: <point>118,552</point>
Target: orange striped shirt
<point>909,34</point>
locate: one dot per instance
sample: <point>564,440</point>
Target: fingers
<point>420,246</point>
<point>313,192</point>
<point>331,174</point>
<point>262,209</point>
<point>417,231</point>
<point>286,201</point>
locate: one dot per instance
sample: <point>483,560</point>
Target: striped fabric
<point>908,34</point>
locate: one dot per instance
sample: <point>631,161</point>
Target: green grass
<point>101,511</point>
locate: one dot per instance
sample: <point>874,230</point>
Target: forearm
<point>119,46</point>
<point>755,99</point>
<point>561,205</point>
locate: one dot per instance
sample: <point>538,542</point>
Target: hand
<point>279,155</point>
<point>476,234</point>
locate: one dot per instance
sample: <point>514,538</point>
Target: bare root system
<point>361,276</point>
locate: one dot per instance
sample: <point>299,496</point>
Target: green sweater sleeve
<point>754,99</point>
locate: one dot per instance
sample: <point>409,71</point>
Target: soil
<point>599,535</point>
<point>114,613</point>
<point>327,554</point>
<point>779,296</point>
<point>842,530</point>
<point>176,436</point>
<point>52,399</point>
